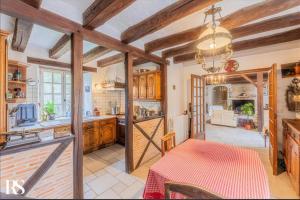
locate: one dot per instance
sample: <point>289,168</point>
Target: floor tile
<point>126,178</point>
<point>119,187</point>
<point>134,191</point>
<point>89,178</point>
<point>109,194</point>
<point>90,194</point>
<point>103,183</point>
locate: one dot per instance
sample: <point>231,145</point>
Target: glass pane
<point>57,77</point>
<point>68,98</point>
<point>68,89</point>
<point>47,98</point>
<point>57,99</point>
<point>68,78</point>
<point>58,109</point>
<point>47,88</point>
<point>57,88</point>
<point>47,77</point>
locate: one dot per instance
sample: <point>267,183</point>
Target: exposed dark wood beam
<point>62,46</point>
<point>76,121</point>
<point>119,58</point>
<point>252,43</point>
<point>164,17</point>
<point>23,29</point>
<point>102,10</point>
<point>234,20</point>
<point>95,53</point>
<point>263,26</point>
<point>249,79</point>
<point>56,22</point>
<point>52,63</point>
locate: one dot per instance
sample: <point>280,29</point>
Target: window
<point>56,88</point>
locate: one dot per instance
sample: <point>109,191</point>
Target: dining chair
<point>189,191</point>
<point>167,142</point>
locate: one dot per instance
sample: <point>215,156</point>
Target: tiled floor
<point>105,177</point>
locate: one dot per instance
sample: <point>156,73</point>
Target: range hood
<point>113,85</point>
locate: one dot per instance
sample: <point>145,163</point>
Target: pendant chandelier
<point>216,79</point>
<point>214,42</point>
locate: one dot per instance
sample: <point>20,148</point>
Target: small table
<point>243,119</point>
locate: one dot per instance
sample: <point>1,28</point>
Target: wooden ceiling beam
<point>249,79</point>
<point>164,17</point>
<point>62,46</point>
<point>251,44</point>
<point>23,29</point>
<point>119,58</point>
<point>52,63</point>
<point>56,22</point>
<point>95,53</point>
<point>234,20</point>
<point>102,10</point>
<point>251,29</point>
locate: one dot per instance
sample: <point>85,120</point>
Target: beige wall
<point>262,58</point>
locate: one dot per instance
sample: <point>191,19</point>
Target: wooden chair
<point>190,191</point>
<point>167,142</point>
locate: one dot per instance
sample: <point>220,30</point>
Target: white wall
<point>253,61</point>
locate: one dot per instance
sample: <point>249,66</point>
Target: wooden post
<point>129,112</point>
<point>164,89</point>
<point>260,101</point>
<point>3,84</point>
<point>77,99</point>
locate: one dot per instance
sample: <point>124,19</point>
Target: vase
<point>51,116</point>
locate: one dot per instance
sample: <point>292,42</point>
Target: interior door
<point>198,108</point>
<point>273,149</point>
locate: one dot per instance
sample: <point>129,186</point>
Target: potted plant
<point>49,109</point>
<point>248,109</point>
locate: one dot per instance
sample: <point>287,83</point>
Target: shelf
<point>17,64</point>
<point>291,76</point>
<point>16,100</point>
<point>17,82</point>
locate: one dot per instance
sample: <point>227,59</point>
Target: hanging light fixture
<point>216,79</point>
<point>214,42</point>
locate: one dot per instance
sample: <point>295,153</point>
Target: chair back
<point>189,191</point>
<point>167,142</point>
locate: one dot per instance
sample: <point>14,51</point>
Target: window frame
<point>63,88</point>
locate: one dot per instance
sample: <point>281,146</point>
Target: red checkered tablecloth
<point>229,171</point>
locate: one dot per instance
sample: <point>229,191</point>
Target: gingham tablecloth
<point>229,171</point>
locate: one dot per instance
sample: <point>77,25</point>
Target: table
<point>229,171</point>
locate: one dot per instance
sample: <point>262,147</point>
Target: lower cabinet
<point>291,153</point>
<point>98,134</point>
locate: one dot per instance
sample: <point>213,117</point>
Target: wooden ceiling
<point>240,23</point>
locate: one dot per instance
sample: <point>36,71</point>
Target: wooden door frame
<point>202,110</point>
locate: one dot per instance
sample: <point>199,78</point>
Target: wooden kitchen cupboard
<point>108,131</point>
<point>291,151</point>
<point>3,80</point>
<point>149,87</point>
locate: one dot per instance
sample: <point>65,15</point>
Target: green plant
<point>49,108</point>
<point>248,109</point>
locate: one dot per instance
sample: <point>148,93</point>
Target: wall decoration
<point>231,66</point>
<point>292,92</point>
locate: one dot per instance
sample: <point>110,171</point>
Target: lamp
<point>214,42</point>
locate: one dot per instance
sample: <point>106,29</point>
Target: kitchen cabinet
<point>108,131</point>
<point>98,134</point>
<point>149,86</point>
<point>142,87</point>
<point>135,87</point>
<point>291,151</point>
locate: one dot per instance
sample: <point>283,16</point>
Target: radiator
<point>179,125</point>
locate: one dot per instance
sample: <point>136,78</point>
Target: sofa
<point>224,118</point>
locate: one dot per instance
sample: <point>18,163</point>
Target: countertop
<point>58,122</point>
<point>147,118</point>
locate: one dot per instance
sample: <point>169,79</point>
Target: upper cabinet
<point>146,86</point>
